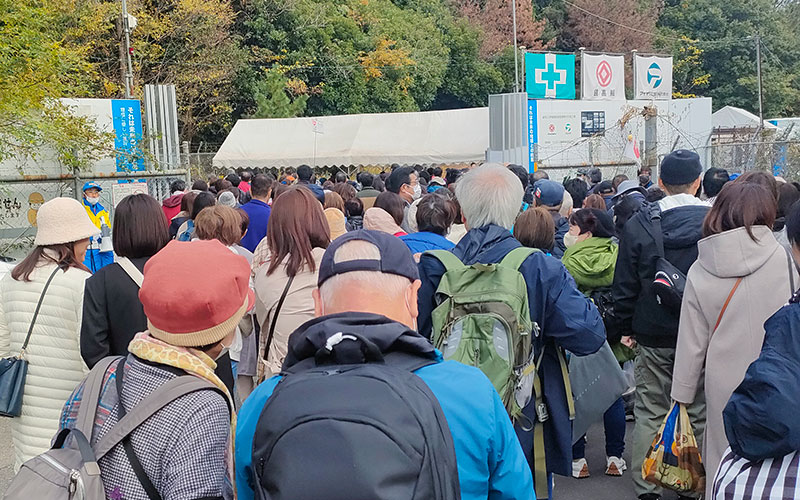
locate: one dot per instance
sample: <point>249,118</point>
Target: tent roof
<point>732,117</point>
<point>452,136</point>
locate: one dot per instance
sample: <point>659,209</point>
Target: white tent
<point>453,136</point>
<point>731,117</point>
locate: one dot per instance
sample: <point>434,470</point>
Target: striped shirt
<point>770,479</point>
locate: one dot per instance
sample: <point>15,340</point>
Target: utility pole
<point>516,55</point>
<point>129,65</point>
<point>757,39</point>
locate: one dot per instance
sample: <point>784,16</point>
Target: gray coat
<point>725,354</point>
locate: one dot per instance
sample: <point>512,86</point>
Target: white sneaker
<point>580,469</point>
<point>614,466</point>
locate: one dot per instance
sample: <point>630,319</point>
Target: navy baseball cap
<point>395,257</point>
<point>549,193</point>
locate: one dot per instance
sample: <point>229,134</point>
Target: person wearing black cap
<point>592,176</point>
<point>344,438</point>
<point>550,195</point>
<point>677,221</point>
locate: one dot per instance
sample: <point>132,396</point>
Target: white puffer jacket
<point>55,365</point>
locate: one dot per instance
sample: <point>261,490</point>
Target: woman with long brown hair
<point>297,236</point>
<point>742,276</point>
<point>52,275</point>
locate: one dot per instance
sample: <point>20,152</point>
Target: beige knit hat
<point>336,222</point>
<point>63,220</point>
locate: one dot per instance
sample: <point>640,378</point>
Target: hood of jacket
<point>734,253</point>
<point>761,416</point>
<point>682,227</point>
<point>591,262</point>
<point>485,244</point>
<point>388,335</point>
<point>427,240</point>
<point>173,201</point>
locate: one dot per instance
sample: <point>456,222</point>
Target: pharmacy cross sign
<point>550,75</point>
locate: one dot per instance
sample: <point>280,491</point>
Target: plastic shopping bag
<point>673,461</point>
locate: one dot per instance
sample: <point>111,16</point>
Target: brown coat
<point>726,353</point>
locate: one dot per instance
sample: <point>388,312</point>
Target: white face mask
<point>92,201</point>
<point>570,239</point>
<point>417,191</point>
<point>223,352</point>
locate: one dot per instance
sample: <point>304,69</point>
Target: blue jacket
<point>258,211</point>
<point>422,241</point>
<point>567,319</point>
<point>761,416</point>
<point>490,462</point>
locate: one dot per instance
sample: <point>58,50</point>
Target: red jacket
<point>172,206</point>
<point>244,187</point>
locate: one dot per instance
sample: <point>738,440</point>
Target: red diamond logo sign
<point>604,74</point>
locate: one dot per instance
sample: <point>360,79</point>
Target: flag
<point>632,148</point>
<point>652,77</point>
<point>550,76</point>
<point>603,77</point>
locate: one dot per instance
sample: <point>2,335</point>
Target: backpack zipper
<point>53,463</point>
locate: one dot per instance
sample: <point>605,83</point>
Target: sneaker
<point>649,496</point>
<point>580,469</point>
<point>614,466</point>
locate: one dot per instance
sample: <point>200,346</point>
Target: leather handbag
<point>13,370</point>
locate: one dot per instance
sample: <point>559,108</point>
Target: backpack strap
<point>157,400</point>
<point>515,258</point>
<point>131,270</point>
<point>654,216</point>
<point>92,388</point>
<point>447,258</point>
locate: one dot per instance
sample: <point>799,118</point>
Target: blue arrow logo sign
<point>654,75</point>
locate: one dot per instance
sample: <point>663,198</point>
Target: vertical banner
<point>550,76</point>
<point>652,77</point>
<point>602,77</point>
<point>126,115</point>
<point>533,136</point>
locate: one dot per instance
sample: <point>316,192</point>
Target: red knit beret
<point>187,306</point>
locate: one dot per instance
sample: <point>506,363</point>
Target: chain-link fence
<point>20,200</point>
<point>777,157</point>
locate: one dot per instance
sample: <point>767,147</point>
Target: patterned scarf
<point>195,362</point>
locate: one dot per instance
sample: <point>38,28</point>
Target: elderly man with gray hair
<point>490,198</point>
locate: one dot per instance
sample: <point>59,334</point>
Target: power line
<point>650,33</point>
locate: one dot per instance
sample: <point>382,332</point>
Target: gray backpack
<point>72,473</point>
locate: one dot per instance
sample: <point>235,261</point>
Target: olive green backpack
<point>483,319</point>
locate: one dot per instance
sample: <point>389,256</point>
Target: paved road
<point>6,454</point>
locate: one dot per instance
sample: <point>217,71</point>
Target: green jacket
<point>591,263</point>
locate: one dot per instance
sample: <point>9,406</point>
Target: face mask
<point>417,191</point>
<point>223,352</point>
<point>570,239</point>
<point>92,201</point>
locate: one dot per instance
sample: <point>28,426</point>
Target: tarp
<point>444,137</point>
<point>731,117</point>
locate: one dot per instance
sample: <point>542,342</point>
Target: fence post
<point>651,138</point>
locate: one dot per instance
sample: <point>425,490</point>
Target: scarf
<point>194,362</point>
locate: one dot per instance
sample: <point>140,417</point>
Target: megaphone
<point>105,239</point>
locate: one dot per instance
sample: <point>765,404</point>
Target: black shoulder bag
<point>669,282</point>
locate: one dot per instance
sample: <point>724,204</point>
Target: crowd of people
<point>322,321</point>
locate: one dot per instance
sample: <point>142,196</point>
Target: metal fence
<point>778,157</point>
<point>21,198</point>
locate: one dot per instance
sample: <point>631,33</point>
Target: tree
<point>586,28</point>
<point>724,30</point>
<point>36,68</point>
<point>494,18</point>
<point>183,42</point>
<point>272,98</point>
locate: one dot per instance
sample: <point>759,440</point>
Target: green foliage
<point>730,63</point>
<point>36,68</point>
<point>272,99</point>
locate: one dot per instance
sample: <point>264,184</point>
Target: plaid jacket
<point>181,447</point>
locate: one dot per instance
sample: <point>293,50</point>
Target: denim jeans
<point>614,423</point>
